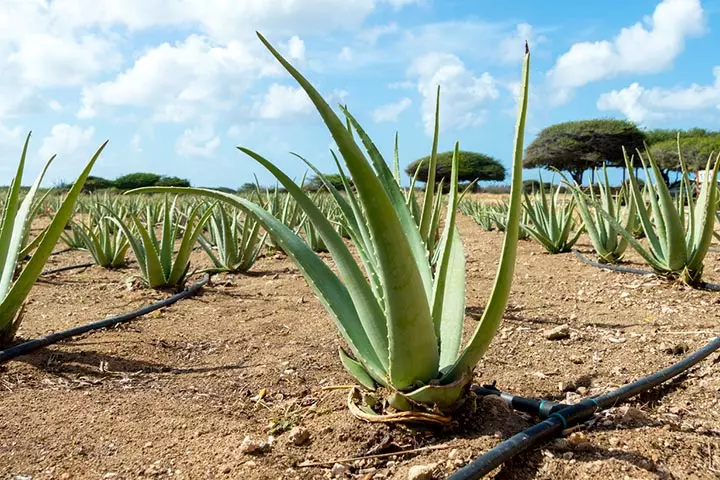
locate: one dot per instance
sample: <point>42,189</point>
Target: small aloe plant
<point>104,240</point>
<point>607,241</point>
<point>159,265</point>
<point>551,221</point>
<point>401,318</point>
<point>233,245</point>
<point>16,280</point>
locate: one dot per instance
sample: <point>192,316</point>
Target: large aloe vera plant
<point>401,318</point>
<point>16,280</point>
<point>609,245</point>
<point>678,243</point>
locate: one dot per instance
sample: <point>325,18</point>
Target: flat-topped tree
<point>696,146</point>
<point>473,166</point>
<point>577,146</point>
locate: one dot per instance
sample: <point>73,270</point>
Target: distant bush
<point>142,179</point>
<point>93,184</point>
<point>172,182</point>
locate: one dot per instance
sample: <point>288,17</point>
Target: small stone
<point>577,360</point>
<point>299,435</point>
<point>566,386</point>
<point>421,472</point>
<point>107,475</point>
<point>495,406</point>
<point>453,453</point>
<point>338,470</point>
<point>567,456</point>
<point>633,416</point>
<point>578,440</point>
<point>614,442</point>
<point>226,469</point>
<point>254,447</point>
<point>571,398</point>
<point>558,333</point>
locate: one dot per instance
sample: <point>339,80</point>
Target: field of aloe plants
<point>343,334</point>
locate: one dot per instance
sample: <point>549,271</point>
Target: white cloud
<point>179,81</point>
<point>398,4</point>
<point>136,143</point>
<point>640,49</point>
<point>462,94</point>
<point>65,139</point>
<point>200,141</point>
<point>45,60</point>
<point>282,101</point>
<point>641,104</point>
<point>296,48</point>
<point>391,111</point>
<point>346,54</point>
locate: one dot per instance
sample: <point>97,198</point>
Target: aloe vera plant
<point>678,243</point>
<point>551,221</point>
<point>234,244</point>
<point>104,240</point>
<point>607,241</point>
<point>17,280</point>
<point>480,212</point>
<point>401,319</point>
<point>159,265</point>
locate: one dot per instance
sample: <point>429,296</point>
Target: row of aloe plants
<point>677,229</point>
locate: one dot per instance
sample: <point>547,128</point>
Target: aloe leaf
<point>492,316</point>
<point>331,292</point>
<point>369,311</point>
<point>155,273</point>
<point>20,289</point>
<point>411,334</point>
<point>357,370</point>
<point>429,198</point>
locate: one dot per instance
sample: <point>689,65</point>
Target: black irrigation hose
<point>31,345</point>
<point>572,415</point>
<point>636,271</point>
<point>69,267</point>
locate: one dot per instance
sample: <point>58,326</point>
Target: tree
<point>136,180</point>
<point>93,184</point>
<point>473,166</point>
<point>695,150</point>
<point>315,183</point>
<point>172,182</point>
<point>577,146</point>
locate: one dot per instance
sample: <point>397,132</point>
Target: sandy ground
<point>174,395</point>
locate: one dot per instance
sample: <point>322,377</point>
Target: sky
<point>176,85</point>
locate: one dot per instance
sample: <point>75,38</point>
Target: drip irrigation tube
<point>570,415</point>
<point>636,271</point>
<point>69,267</point>
<point>31,345</point>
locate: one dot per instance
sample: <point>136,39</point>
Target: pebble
<point>578,441</point>
<point>338,470</point>
<point>299,435</point>
<point>558,333</point>
<point>633,416</point>
<point>421,472</point>
<point>253,447</point>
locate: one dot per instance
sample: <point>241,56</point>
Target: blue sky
<point>177,84</point>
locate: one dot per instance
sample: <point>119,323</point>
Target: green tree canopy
<point>577,146</point>
<point>695,150</point>
<point>473,166</point>
<point>93,184</point>
<point>315,183</point>
<point>172,182</point>
<point>136,180</point>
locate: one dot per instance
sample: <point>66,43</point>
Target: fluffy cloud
<point>282,101</point>
<point>391,111</point>
<point>65,139</point>
<point>643,48</point>
<point>462,93</point>
<point>200,141</point>
<point>641,104</point>
<point>176,81</point>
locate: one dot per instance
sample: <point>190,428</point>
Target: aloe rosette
<point>400,311</point>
